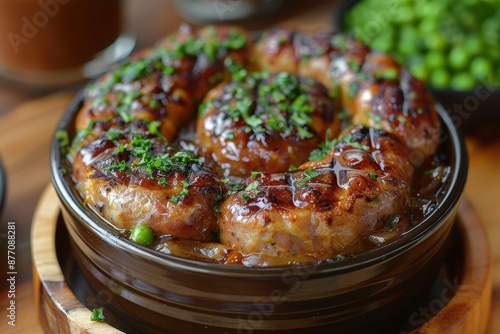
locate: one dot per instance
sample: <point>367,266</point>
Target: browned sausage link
<point>270,122</point>
<point>313,214</point>
<point>311,55</point>
<point>373,87</point>
<point>165,82</point>
<point>136,178</point>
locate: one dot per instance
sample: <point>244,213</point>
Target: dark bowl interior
<point>468,109</point>
<point>160,293</point>
<point>472,108</point>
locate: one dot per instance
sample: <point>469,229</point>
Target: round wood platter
<point>461,300</point>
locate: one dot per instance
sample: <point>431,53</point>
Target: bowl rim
<point>70,201</point>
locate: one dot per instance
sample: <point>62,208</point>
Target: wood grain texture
<point>60,310</point>
<point>469,310</point>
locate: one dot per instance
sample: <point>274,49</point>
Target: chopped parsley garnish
<point>344,114</point>
<point>402,119</point>
<point>162,181</point>
<point>118,165</point>
<point>162,60</point>
<point>388,74</point>
<point>63,139</point>
<point>143,157</point>
<point>255,174</point>
<point>153,127</point>
<point>429,172</point>
<point>349,141</point>
<point>376,200</point>
<point>323,148</point>
<point>309,175</point>
<point>393,221</point>
<point>97,315</point>
<point>82,134</point>
<point>339,41</point>
<point>252,186</point>
<point>282,104</point>
<point>113,134</point>
<point>373,176</point>
<point>184,192</point>
<point>245,196</point>
<point>353,65</point>
<point>237,188</point>
<point>119,149</point>
<point>377,120</point>
<point>353,89</point>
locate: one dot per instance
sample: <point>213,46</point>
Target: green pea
<point>428,25</point>
<point>381,43</point>
<point>419,71</point>
<point>435,41</point>
<point>459,57</point>
<point>142,234</point>
<point>462,81</point>
<point>481,67</point>
<point>435,60</point>
<point>473,44</point>
<point>440,78</point>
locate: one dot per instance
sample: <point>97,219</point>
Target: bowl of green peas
<point>452,45</point>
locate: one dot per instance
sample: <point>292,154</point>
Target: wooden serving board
<point>466,311</point>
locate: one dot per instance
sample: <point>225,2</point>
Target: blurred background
<point>454,46</point>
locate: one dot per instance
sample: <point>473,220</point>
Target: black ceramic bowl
<point>148,291</point>
<point>468,109</point>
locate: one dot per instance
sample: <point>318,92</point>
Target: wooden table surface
<point>28,119</point>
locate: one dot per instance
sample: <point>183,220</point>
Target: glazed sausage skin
<point>269,122</point>
<point>165,83</point>
<point>314,213</point>
<point>374,89</point>
<point>137,178</point>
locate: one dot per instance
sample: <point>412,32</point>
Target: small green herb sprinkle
<point>323,148</point>
<point>184,192</point>
<point>255,174</point>
<point>388,74</point>
<point>97,314</point>
<point>393,221</point>
<point>162,182</point>
<point>344,114</point>
<point>252,186</point>
<point>63,138</point>
<point>120,166</point>
<point>119,149</point>
<point>309,175</point>
<point>402,119</point>
<point>429,172</point>
<point>245,196</point>
<point>153,127</point>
